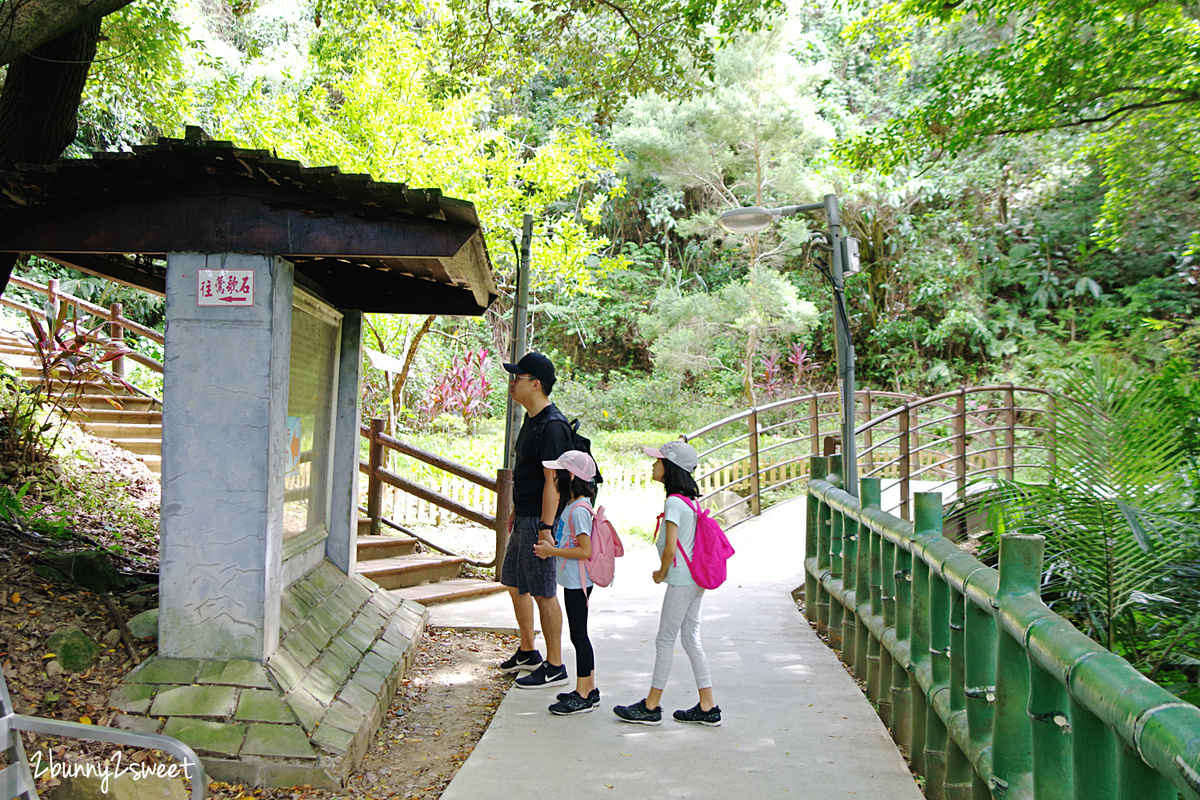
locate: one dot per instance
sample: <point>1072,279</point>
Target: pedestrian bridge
<point>795,724</point>
<point>987,692</point>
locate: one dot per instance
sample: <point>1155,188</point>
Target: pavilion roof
<point>360,243</point>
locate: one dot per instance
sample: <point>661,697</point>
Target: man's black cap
<point>534,364</point>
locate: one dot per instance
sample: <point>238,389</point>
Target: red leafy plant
<point>71,361</point>
<point>778,380</point>
<point>463,389</point>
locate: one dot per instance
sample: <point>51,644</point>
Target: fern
<point>1115,511</point>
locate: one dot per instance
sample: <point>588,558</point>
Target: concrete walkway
<point>795,724</point>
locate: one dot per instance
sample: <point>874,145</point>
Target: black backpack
<point>579,442</point>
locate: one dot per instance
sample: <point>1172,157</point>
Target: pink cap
<point>577,462</point>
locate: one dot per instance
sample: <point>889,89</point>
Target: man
<point>544,436</point>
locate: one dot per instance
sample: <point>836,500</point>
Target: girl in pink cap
<point>572,541</point>
<point>675,462</point>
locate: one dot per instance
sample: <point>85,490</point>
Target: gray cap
<point>681,454</point>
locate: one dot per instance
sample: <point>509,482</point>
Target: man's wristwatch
<point>544,526</point>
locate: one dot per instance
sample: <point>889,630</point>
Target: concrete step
<point>121,430</point>
<point>373,548</point>
<point>119,416</point>
<point>447,591</point>
<point>140,447</point>
<point>152,462</point>
<point>99,395</point>
<point>398,572</point>
<point>121,402</point>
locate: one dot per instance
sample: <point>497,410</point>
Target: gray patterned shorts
<point>523,570</point>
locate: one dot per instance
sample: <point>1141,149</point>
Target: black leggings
<point>577,612</point>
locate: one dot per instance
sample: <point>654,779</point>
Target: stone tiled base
<point>309,714</point>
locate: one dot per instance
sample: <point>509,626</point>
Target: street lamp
<point>843,260</point>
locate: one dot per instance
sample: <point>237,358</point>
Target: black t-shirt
<point>543,437</point>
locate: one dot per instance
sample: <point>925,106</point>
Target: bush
<point>637,403</point>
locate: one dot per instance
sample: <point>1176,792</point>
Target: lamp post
<point>843,254</point>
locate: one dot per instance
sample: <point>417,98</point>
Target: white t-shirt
<point>678,511</point>
<point>580,512</point>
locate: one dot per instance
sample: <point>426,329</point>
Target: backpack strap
<point>575,536</point>
<point>695,510</point>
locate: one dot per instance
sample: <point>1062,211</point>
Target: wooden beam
<point>226,222</point>
<point>113,267</point>
<point>381,291</point>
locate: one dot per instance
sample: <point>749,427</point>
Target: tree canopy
<point>1125,71</point>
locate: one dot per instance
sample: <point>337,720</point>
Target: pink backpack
<point>606,547</point>
<point>710,549</point>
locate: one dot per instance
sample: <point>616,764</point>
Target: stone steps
<point>131,422</point>
<point>426,578</point>
<point>371,548</point>
<point>446,591</point>
<point>397,572</point>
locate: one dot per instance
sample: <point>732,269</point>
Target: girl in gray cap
<point>675,462</point>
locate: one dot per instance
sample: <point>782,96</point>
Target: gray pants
<point>680,617</point>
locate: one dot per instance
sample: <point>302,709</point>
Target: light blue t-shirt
<point>677,511</point>
<point>580,512</point>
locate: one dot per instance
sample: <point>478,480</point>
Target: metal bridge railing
<point>987,691</point>
<point>952,439</point>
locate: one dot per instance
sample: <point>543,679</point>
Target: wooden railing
<point>378,476</point>
<point>955,438</point>
<point>117,323</point>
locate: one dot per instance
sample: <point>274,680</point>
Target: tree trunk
<point>26,25</point>
<point>40,103</point>
<point>398,388</point>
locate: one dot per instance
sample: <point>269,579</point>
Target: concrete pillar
<point>225,385</point>
<point>343,502</point>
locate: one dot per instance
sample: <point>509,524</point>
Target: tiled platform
<point>308,715</point>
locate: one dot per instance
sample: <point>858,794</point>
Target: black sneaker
<point>543,676</point>
<point>639,713</point>
<point>522,659</point>
<point>593,696</point>
<point>712,717</point>
<point>572,703</point>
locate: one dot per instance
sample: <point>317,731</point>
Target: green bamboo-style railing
<point>990,694</point>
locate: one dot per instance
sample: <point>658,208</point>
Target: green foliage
<point>716,336</point>
<point>380,112</point>
<point>1118,513</point>
<point>23,453</point>
<point>141,84</point>
<point>633,403</point>
<point>753,137</point>
<point>598,330</point>
<point>602,53</point>
<point>1125,71</point>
